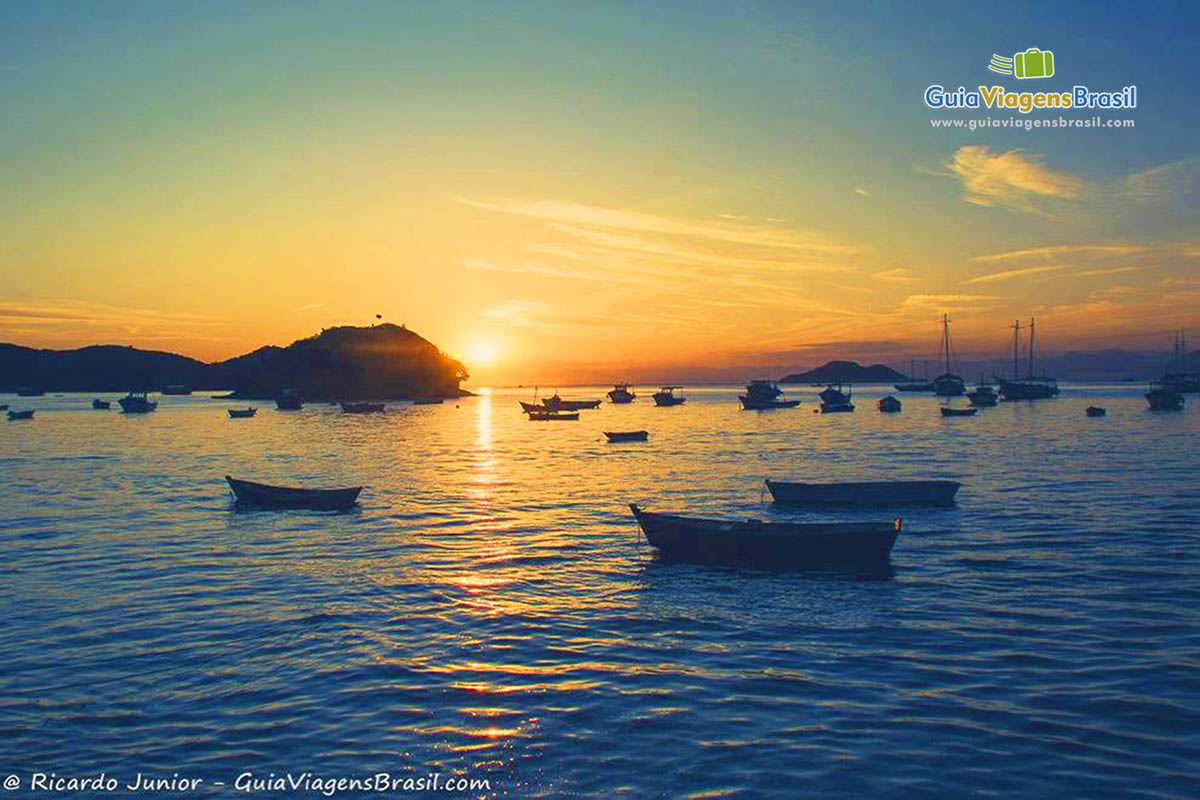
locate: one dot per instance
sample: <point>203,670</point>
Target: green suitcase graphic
<point>1034,63</point>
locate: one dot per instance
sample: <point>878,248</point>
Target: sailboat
<point>947,384</point>
<point>912,384</point>
<point>1031,387</point>
<point>1180,380</point>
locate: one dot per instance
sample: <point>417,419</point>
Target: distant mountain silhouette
<point>846,372</point>
<point>380,362</point>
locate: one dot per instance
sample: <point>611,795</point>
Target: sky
<point>582,191</point>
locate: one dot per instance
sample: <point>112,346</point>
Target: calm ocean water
<point>489,611</point>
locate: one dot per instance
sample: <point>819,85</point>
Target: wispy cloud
<point>1053,251</point>
<point>897,275</point>
<point>618,219</point>
<point>1015,273</point>
<point>1010,179</point>
<point>948,301</point>
<point>1091,273</point>
<point>861,191</point>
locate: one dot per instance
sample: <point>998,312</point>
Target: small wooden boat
<point>26,414</point>
<point>362,408</point>
<point>627,436</point>
<point>768,543</point>
<point>553,416</point>
<point>666,396</point>
<point>864,493</point>
<point>556,403</point>
<point>959,412</point>
<point>242,413</point>
<point>621,394</point>
<point>137,403</point>
<point>101,405</point>
<point>1096,411</point>
<point>289,400</point>
<point>888,405</point>
<point>530,408</point>
<point>261,494</point>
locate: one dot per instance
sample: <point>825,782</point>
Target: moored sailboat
<point>912,384</point>
<point>947,384</point>
<point>1031,387</point>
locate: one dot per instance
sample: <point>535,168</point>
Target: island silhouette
<point>379,362</point>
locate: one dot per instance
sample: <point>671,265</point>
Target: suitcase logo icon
<point>1033,63</point>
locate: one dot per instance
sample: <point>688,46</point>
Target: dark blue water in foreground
<point>489,612</point>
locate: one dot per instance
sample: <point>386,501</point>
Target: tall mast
<point>946,339</point>
<point>1032,336</point>
<point>1016,326</point>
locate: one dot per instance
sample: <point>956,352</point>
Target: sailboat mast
<point>946,339</point>
<point>1016,326</point>
<point>1032,337</point>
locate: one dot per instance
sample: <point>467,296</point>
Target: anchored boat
<point>261,494</point>
<point>553,416</point>
<point>556,403</point>
<point>762,395</point>
<point>621,393</point>
<point>289,400</point>
<point>1096,411</point>
<point>959,412</point>
<point>242,413</point>
<point>888,405</point>
<point>666,396</point>
<point>983,395</point>
<point>912,384</point>
<point>627,436</point>
<point>137,403</point>
<point>101,405</point>
<point>768,543</point>
<point>834,401</point>
<point>26,414</point>
<point>362,408</point>
<point>1031,387</point>
<point>864,493</point>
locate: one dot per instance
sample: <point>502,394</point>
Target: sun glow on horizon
<point>482,353</point>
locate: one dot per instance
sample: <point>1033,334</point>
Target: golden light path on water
<point>490,608</point>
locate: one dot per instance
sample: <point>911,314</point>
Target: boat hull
<point>101,405</point>
<point>837,408</point>
<point>137,405</point>
<point>627,436</point>
<point>267,496</point>
<point>1096,411</point>
<point>553,416</point>
<point>959,412</point>
<point>761,404</point>
<point>866,494</point>
<point>1029,389</point>
<point>558,404</point>
<point>669,401</point>
<point>20,414</point>
<point>1164,400</point>
<point>768,544</point>
<point>362,408</point>
<point>242,413</point>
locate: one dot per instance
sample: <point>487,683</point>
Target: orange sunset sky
<point>557,192</point>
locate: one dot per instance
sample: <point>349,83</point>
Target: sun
<point>482,352</point>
